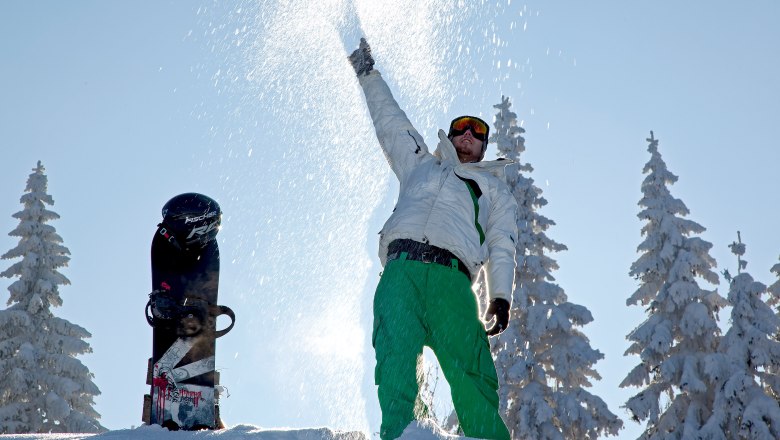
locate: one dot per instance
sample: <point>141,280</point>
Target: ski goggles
<point>479,128</point>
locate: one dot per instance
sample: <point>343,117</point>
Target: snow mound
<point>238,432</point>
<point>427,430</point>
<point>418,430</point>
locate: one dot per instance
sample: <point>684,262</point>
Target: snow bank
<point>239,432</point>
<point>427,430</point>
<point>421,430</point>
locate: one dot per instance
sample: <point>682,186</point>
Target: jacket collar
<point>446,153</point>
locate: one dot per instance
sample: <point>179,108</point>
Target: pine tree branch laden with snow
<point>543,360</point>
<point>677,343</point>
<point>43,387</point>
<point>774,288</point>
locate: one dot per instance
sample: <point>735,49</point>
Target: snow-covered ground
<point>415,431</point>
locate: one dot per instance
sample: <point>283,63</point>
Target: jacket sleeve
<point>501,238</point>
<point>402,144</point>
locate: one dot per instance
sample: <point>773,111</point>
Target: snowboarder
<point>182,311</point>
<point>454,215</point>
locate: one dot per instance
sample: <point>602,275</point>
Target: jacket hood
<point>446,153</point>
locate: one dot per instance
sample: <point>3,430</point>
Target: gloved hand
<point>361,59</point>
<point>498,308</point>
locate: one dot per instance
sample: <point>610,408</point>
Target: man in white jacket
<point>454,215</point>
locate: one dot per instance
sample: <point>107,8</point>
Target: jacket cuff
<point>505,296</point>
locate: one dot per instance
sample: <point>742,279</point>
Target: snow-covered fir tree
<point>544,362</point>
<point>681,332</point>
<point>43,387</point>
<point>748,354</point>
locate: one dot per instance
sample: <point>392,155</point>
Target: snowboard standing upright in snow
<point>182,311</point>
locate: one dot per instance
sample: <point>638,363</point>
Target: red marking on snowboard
<point>191,396</point>
<point>160,385</point>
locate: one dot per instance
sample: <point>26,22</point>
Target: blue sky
<point>129,104</point>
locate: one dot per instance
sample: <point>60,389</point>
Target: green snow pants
<point>426,304</point>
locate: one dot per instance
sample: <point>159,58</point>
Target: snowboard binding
<point>189,317</point>
<point>182,312</point>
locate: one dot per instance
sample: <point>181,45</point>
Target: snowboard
<point>183,311</point>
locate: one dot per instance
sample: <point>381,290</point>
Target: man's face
<point>468,147</point>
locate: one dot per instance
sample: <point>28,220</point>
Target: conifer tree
<point>544,362</point>
<point>748,353</point>
<point>681,331</point>
<point>43,387</point>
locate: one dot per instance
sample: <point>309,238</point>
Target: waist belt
<point>425,253</point>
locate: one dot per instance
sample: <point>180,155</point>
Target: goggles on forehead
<point>479,128</point>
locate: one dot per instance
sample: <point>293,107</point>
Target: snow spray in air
<point>305,175</point>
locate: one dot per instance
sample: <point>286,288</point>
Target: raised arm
<point>403,146</point>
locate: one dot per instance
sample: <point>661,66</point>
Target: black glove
<point>361,59</point>
<point>498,308</point>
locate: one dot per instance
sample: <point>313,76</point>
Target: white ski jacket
<point>466,209</point>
